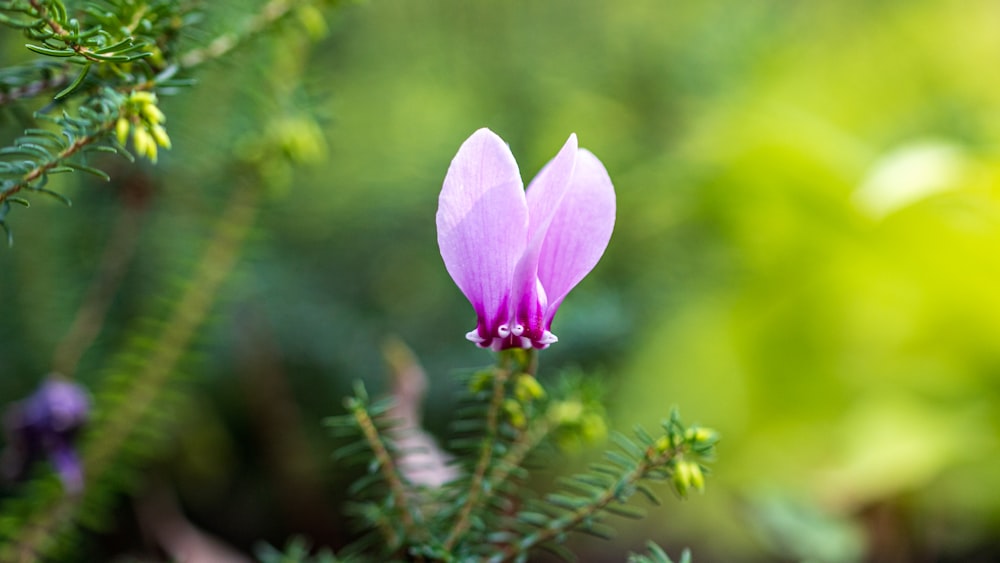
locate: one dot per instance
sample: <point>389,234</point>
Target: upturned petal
<point>579,231</point>
<point>482,223</point>
<point>544,198</point>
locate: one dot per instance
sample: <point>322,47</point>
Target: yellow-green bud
<point>140,140</point>
<point>697,477</point>
<point>144,143</point>
<point>527,388</point>
<point>698,434</point>
<point>121,130</point>
<point>565,412</point>
<point>312,20</point>
<point>515,413</point>
<point>160,136</point>
<point>662,444</point>
<point>142,97</point>
<point>153,114</point>
<point>682,477</point>
<point>593,429</point>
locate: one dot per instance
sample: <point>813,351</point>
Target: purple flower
<point>515,254</point>
<point>45,425</point>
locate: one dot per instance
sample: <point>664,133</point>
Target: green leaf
<point>75,84</point>
<point>67,52</point>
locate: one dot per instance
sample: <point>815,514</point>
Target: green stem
<point>475,496</point>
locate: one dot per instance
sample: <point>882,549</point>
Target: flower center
<point>518,336</point>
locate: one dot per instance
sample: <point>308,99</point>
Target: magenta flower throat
<point>516,254</point>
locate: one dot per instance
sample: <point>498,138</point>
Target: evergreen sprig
<point>487,514</point>
<point>99,57</point>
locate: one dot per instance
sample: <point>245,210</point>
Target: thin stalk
<point>475,496</point>
<point>271,13</point>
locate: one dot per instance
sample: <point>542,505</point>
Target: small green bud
<point>515,413</point>
<point>565,412</point>
<point>662,444</point>
<point>682,477</point>
<point>140,138</point>
<point>312,20</point>
<point>160,136</point>
<point>527,388</point>
<point>593,429</point>
<point>121,130</point>
<point>698,434</point>
<point>153,114</point>
<point>144,143</point>
<point>142,97</point>
<point>697,477</point>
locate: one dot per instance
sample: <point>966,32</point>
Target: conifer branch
<point>40,170</point>
<point>272,12</point>
<point>654,459</point>
<point>387,467</point>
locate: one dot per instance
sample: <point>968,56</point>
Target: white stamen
<point>518,330</point>
<point>503,331</point>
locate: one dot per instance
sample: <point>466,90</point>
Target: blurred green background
<point>806,256</point>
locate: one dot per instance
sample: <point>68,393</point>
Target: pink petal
<point>545,195</point>
<point>579,232</point>
<point>482,223</point>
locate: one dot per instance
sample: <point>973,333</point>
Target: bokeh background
<point>806,256</point>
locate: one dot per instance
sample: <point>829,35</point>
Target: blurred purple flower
<point>516,255</point>
<point>45,425</point>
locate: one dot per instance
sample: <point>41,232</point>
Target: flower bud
<point>515,413</point>
<point>121,130</point>
<point>682,477</point>
<point>527,388</point>
<point>697,477</point>
<point>160,136</point>
<point>565,412</point>
<point>153,114</point>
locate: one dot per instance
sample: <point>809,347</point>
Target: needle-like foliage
<point>488,513</point>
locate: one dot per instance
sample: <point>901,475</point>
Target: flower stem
<point>477,494</point>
